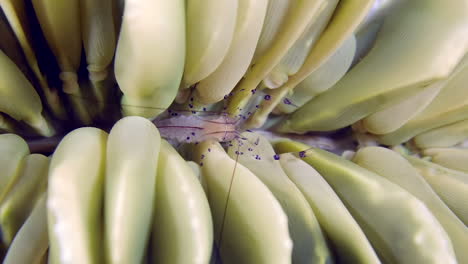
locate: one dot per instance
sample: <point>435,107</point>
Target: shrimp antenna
<point>227,201</point>
<point>227,121</point>
<point>174,111</point>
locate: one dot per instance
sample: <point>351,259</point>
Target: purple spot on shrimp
<point>248,130</point>
<point>288,102</point>
<point>253,91</point>
<point>242,153</point>
<point>267,97</point>
<point>204,108</point>
<point>302,154</point>
<point>188,138</point>
<point>193,133</point>
<point>225,97</point>
<point>237,152</point>
<point>224,108</point>
<point>231,94</point>
<point>194,112</point>
<point>250,149</point>
<point>191,99</point>
<point>169,111</point>
<point>202,156</point>
<point>276,157</point>
<point>244,138</point>
<point>201,164</point>
<point>209,150</point>
<point>174,114</point>
<point>257,157</point>
<point>257,106</point>
<point>190,105</point>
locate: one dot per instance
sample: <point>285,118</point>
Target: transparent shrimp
<point>192,128</point>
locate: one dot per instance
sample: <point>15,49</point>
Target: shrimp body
<point>193,128</point>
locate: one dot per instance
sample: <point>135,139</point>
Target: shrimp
<point>192,128</point>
